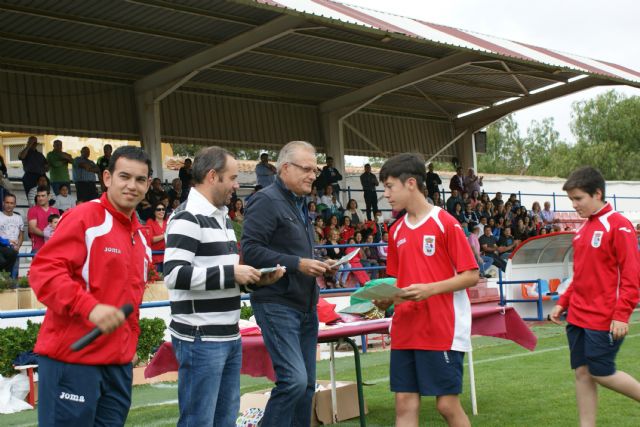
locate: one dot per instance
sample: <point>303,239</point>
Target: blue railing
<point>538,301</point>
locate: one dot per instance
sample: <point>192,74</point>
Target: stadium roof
<point>258,73</point>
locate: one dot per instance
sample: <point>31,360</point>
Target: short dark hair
<point>131,153</point>
<point>9,195</point>
<point>42,188</point>
<point>587,179</point>
<point>405,166</point>
<point>52,217</point>
<point>209,158</point>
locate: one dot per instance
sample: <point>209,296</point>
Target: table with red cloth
<point>493,321</point>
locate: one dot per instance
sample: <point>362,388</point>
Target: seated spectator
<point>175,192</point>
<point>507,243</point>
<point>481,212</point>
<point>513,199</point>
<point>383,250</point>
<point>357,216</point>
<point>144,210</point>
<point>488,207</point>
<point>356,262</point>
<point>51,226</point>
<point>346,230</point>
<point>336,254</point>
<point>42,181</point>
<point>319,229</point>
<point>8,255</point>
<point>312,211</point>
<point>509,215</point>
<point>64,201</point>
<point>520,233</point>
<point>84,175</point>
<point>489,247</point>
<point>158,228</point>
<point>484,262</point>
<point>529,227</point>
<point>548,216</point>
<point>470,215</point>
<point>332,224</point>
<point>458,213</point>
<point>313,196</point>
<point>535,210</point>
<point>237,213</point>
<point>12,227</point>
<point>451,201</point>
<point>156,193</point>
<point>370,257</point>
<point>543,231</point>
<point>38,218</point>
<point>474,199</point>
<point>437,200</point>
<point>498,227</point>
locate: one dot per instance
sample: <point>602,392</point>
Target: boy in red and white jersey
<point>602,295</point>
<point>431,328</point>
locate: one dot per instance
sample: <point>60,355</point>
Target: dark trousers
<point>29,180</point>
<point>83,395</point>
<point>371,202</point>
<point>497,261</point>
<point>8,257</point>
<point>86,190</point>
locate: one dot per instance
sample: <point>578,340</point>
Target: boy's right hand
<point>556,313</point>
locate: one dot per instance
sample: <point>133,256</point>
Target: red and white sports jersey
<point>606,272</point>
<point>432,250</point>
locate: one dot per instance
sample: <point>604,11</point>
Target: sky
<point>604,30</point>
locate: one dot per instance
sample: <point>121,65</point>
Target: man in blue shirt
<point>265,171</point>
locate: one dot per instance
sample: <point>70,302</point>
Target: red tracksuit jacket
<point>97,255</point>
<point>606,272</point>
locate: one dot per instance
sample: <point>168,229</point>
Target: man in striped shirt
<point>205,278</point>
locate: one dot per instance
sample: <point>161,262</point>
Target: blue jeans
<point>487,262</point>
<point>208,381</point>
<point>290,337</point>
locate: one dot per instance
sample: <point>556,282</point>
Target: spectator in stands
<point>433,181</point>
<point>313,196</point>
<point>481,212</point>
<point>237,213</point>
<point>3,168</point>
<point>372,256</point>
<point>497,201</point>
<point>535,210</point>
<point>330,176</point>
<point>156,193</point>
<point>356,262</point>
<point>34,164</point>
<point>489,208</point>
<point>8,255</point>
<point>452,200</point>
<point>175,192</point>
<point>59,162</point>
<point>543,231</point>
<point>42,181</point>
<point>265,171</point>
<point>364,256</point>
<point>84,175</point>
<point>507,243</point>
<point>498,228</point>
<point>332,224</point>
<point>346,229</point>
<point>312,211</point>
<point>458,213</point>
<point>158,228</point>
<point>145,211</point>
<point>332,203</point>
<point>103,163</point>
<point>335,254</point>
<point>529,227</point>
<point>457,181</point>
<point>12,228</point>
<point>489,247</point>
<point>38,218</point>
<point>469,215</point>
<point>520,232</point>
<point>369,183</point>
<point>319,228</point>
<point>64,201</point>
<point>472,182</point>
<point>185,175</point>
<point>508,214</point>
<point>548,216</point>
<point>474,199</point>
<point>513,199</point>
<point>383,250</point>
<point>437,200</point>
<point>356,215</point>
<point>51,226</point>
<point>483,261</point>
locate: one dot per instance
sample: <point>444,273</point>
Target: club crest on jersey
<point>596,240</point>
<point>429,245</point>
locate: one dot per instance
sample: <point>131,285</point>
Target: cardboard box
<point>346,397</point>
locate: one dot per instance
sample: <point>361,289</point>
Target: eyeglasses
<point>307,170</point>
<point>160,209</point>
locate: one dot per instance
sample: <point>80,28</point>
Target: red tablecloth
<point>487,321</point>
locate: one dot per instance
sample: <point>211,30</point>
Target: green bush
<point>246,311</point>
<point>13,341</point>
<point>151,337</point>
<point>6,281</point>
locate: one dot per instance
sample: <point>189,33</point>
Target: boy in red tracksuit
<point>94,264</point>
<point>602,295</point>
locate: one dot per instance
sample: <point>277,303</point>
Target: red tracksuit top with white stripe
<point>97,255</point>
<point>606,272</point>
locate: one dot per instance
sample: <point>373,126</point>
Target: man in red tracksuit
<point>602,295</point>
<point>94,264</point>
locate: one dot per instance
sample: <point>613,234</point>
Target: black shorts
<point>429,373</point>
<point>595,349</point>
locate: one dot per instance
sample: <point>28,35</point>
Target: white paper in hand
<point>379,292</point>
<point>348,257</point>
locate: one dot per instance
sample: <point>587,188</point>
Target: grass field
<point>515,387</point>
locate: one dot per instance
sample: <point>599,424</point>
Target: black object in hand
<point>126,309</point>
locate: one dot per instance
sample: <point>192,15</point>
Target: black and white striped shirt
<point>201,251</point>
